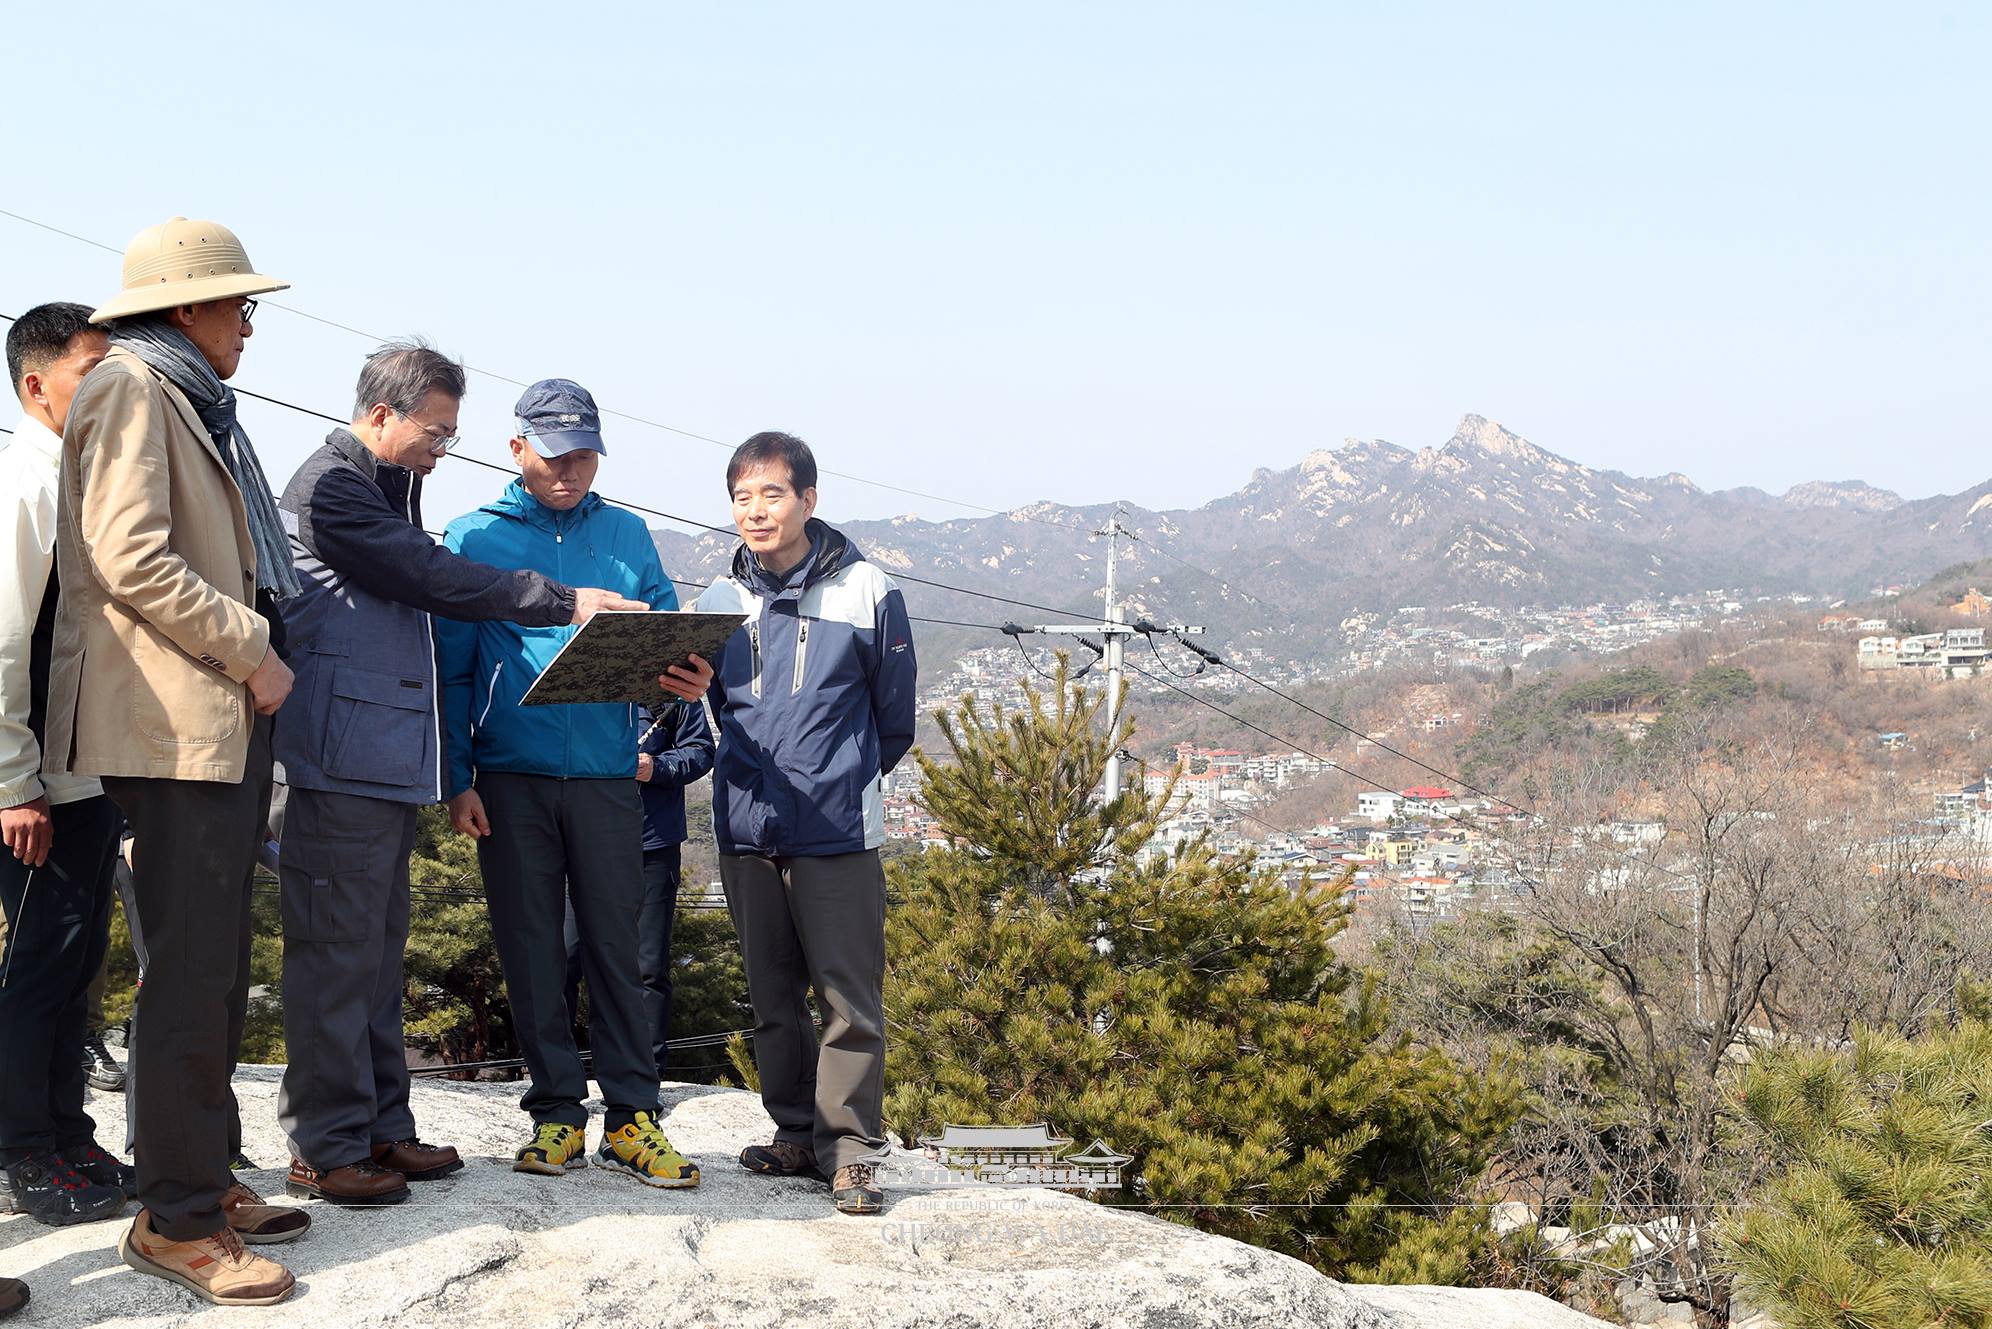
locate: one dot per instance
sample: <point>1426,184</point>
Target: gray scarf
<point>169,351</point>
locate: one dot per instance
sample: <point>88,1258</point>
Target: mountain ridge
<point>1484,516</point>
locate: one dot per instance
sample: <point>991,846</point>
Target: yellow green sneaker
<point>555,1149</point>
<point>640,1150</point>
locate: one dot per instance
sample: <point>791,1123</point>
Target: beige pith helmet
<point>183,262</point>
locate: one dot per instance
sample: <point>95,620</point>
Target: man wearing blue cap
<point>550,793</point>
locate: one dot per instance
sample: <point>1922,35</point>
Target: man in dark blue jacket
<point>815,698</point>
<point>361,751</point>
<point>550,793</point>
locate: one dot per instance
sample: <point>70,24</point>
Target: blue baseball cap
<point>556,415</point>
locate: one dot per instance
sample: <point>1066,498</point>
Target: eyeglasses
<point>437,446</point>
<point>248,311</point>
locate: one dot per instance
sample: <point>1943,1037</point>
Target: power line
<point>1625,855</point>
<point>672,517</point>
<point>1214,658</point>
<point>1014,514</point>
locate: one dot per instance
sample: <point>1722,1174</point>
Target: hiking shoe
<point>100,1068</point>
<point>50,1191</point>
<point>13,1296</point>
<point>855,1189</point>
<point>365,1184</point>
<point>240,1163</point>
<point>100,1169</point>
<point>417,1161</point>
<point>640,1150</point>
<point>257,1221</point>
<point>556,1148</point>
<point>216,1268</point>
<point>780,1159</point>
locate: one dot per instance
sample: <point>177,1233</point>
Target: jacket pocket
<point>376,726</point>
<point>323,884</point>
<point>177,699</point>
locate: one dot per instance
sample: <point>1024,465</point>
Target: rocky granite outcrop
<point>497,1250</point>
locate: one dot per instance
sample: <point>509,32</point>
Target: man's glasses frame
<point>438,447</point>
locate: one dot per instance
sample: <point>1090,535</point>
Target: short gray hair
<point>403,373</point>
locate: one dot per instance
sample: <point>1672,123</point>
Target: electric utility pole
<point>1114,630</point>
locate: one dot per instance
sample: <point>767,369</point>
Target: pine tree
<point>1187,1009</point>
<point>1879,1209</point>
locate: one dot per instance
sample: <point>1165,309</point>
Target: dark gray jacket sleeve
<point>356,533</point>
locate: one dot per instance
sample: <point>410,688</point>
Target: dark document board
<point>618,654</point>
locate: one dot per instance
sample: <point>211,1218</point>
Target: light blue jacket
<point>487,667</point>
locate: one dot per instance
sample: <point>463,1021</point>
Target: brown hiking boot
<point>417,1161</point>
<point>258,1222</point>
<point>855,1189</point>
<point>216,1268</point>
<point>780,1159</point>
<point>13,1296</point>
<point>363,1184</point>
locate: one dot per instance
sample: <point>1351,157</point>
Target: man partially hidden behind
<point>359,745</point>
<point>550,793</point>
<point>172,559</point>
<point>60,830</point>
<point>815,704</point>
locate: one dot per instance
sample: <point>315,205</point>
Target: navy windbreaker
<point>815,702</point>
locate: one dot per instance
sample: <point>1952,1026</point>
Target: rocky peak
<point>1856,494</point>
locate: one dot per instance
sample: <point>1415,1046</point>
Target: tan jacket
<point>157,626</point>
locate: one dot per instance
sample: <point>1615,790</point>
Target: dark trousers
<point>343,866</point>
<point>552,840</point>
<point>193,856</point>
<point>815,923</point>
<point>128,896</point>
<point>61,917</point>
<point>653,948</point>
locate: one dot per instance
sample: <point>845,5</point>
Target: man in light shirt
<point>60,831</point>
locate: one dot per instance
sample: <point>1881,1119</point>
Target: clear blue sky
<point>1073,251</point>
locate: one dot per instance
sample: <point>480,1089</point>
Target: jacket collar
<point>190,417</point>
<point>348,445</point>
<point>830,551</point>
<point>39,438</point>
<point>395,483</point>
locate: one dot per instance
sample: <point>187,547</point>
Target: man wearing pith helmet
<point>167,667</point>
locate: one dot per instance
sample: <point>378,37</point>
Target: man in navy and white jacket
<point>815,703</point>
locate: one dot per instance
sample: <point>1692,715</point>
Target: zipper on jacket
<point>566,719</point>
<point>492,694</point>
<point>435,677</point>
<point>801,651</point>
<point>754,640</point>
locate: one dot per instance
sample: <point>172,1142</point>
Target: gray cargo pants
<point>343,866</point>
<point>815,923</point>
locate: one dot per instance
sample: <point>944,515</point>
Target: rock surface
<point>500,1250</point>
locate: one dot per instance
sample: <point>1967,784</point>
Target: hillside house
<point>1425,800</point>
<point>1973,605</point>
<point>1377,805</point>
<point>1878,652</point>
